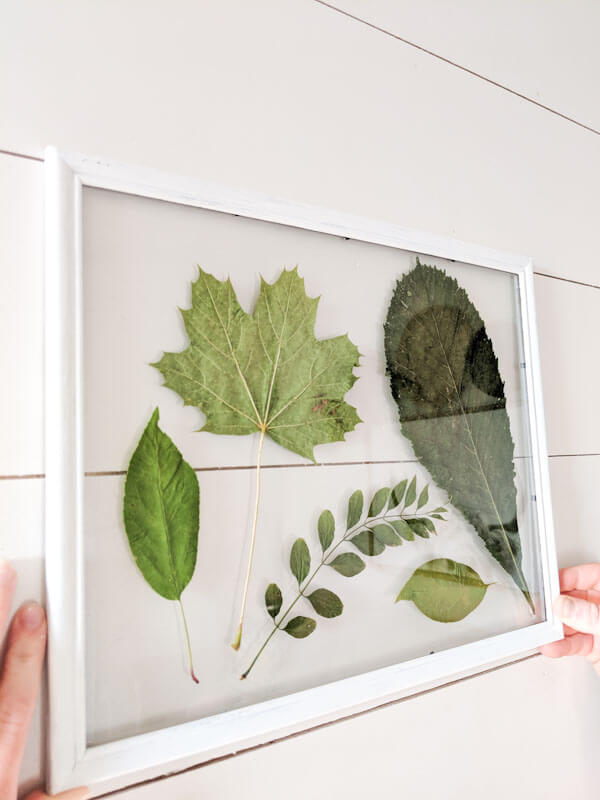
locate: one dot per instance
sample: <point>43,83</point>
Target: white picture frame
<point>111,766</point>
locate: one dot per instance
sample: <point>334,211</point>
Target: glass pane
<point>140,257</point>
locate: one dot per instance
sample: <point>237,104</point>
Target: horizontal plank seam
<point>451,63</point>
<point>567,280</point>
<point>241,467</point>
<point>20,155</point>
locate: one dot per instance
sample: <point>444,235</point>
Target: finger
<point>578,614</point>
<point>579,644</point>
<point>8,581</point>
<point>19,688</point>
<point>82,793</point>
<point>584,576</point>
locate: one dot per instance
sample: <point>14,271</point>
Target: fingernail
<point>564,607</point>
<point>7,572</point>
<point>32,616</point>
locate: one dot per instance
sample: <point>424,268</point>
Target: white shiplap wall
<point>293,99</point>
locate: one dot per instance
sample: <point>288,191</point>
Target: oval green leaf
<point>300,560</point>
<point>300,627</point>
<point>423,498</point>
<point>418,526</point>
<point>161,508</point>
<point>326,527</point>
<point>347,564</point>
<point>444,590</point>
<point>411,493</point>
<point>273,599</point>
<point>355,507</point>
<point>428,524</point>
<point>326,603</point>
<point>367,543</point>
<point>403,529</point>
<point>397,494</point>
<point>378,502</point>
<point>386,535</point>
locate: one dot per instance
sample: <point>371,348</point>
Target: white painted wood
<point>108,766</point>
<point>544,49</point>
<point>362,124</point>
<point>21,317</point>
<point>569,325</point>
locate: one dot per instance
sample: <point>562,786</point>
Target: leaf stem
<point>238,637</point>
<point>189,645</point>
<point>324,560</point>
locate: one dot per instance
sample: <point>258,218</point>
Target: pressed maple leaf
<point>264,372</point>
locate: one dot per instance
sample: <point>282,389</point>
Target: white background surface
<point>294,100</point>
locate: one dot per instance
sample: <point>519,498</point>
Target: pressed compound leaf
<point>451,403</point>
<point>300,627</point>
<point>355,508</point>
<point>300,560</point>
<point>347,564</point>
<point>444,590</point>
<point>273,599</point>
<point>326,526</point>
<point>367,543</point>
<point>326,603</point>
<point>161,510</point>
<point>266,370</point>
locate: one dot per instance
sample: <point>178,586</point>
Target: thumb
<point>581,615</point>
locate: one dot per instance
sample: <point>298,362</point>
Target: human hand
<point>19,685</point>
<point>578,607</point>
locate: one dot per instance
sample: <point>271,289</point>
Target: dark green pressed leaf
<point>397,494</point>
<point>326,603</point>
<point>300,560</point>
<point>355,507</point>
<point>386,535</point>
<point>437,516</point>
<point>161,509</point>
<point>452,407</point>
<point>326,527</point>
<point>378,502</point>
<point>423,498</point>
<point>440,510</point>
<point>367,543</point>
<point>403,528</point>
<point>418,526</point>
<point>273,599</point>
<point>347,564</point>
<point>411,493</point>
<point>300,627</point>
<point>444,590</point>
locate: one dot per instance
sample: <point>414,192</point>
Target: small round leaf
<point>273,599</point>
<point>300,627</point>
<point>326,603</point>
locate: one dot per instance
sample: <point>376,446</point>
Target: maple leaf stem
<point>238,637</point>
